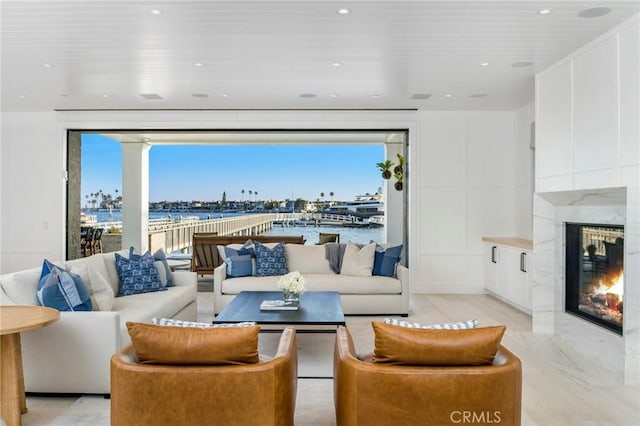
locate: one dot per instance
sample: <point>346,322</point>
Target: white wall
<point>465,190</point>
<point>523,172</point>
<point>31,190</point>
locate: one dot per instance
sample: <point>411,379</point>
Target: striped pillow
<point>179,323</point>
<point>463,325</point>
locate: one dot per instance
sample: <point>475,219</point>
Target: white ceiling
<point>264,54</point>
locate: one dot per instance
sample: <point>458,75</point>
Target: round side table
<point>13,321</point>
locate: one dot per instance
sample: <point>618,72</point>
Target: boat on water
<point>363,206</point>
<point>376,221</point>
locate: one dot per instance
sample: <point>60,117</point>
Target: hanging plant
<point>400,167</point>
<point>399,185</point>
<point>385,168</point>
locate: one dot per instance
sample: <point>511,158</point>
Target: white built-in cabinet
<point>508,270</point>
<point>587,108</point>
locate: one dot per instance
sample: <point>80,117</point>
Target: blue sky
<point>278,172</point>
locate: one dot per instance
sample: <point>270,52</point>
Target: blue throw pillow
<point>160,261</point>
<point>62,290</point>
<point>270,261</point>
<point>385,260</point>
<point>239,262</point>
<point>137,275</point>
<point>159,256</point>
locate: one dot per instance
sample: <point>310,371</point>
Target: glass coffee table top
<point>315,308</point>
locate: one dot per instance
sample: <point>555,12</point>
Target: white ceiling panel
<point>264,54</point>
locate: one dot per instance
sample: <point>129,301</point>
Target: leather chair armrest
<point>367,392</point>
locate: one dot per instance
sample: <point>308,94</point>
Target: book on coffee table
<point>278,305</point>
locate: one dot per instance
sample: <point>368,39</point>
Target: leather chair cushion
<point>409,346</point>
<point>156,344</point>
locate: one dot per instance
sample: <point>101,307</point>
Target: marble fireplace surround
<point>613,206</point>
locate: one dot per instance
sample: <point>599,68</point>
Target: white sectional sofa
<point>73,354</point>
<point>360,295</point>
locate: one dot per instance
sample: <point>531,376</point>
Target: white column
<point>135,195</point>
<point>394,199</point>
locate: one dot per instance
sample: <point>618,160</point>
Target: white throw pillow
<point>307,259</point>
<point>100,291</point>
<point>358,262</point>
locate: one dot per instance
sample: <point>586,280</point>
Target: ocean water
<point>310,233</point>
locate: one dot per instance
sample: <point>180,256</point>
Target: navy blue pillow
<point>385,260</point>
<point>270,261</point>
<point>62,290</point>
<point>239,262</point>
<point>161,262</point>
<point>137,274</point>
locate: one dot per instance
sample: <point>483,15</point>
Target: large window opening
<point>330,180</point>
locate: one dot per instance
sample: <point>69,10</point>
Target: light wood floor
<point>560,387</point>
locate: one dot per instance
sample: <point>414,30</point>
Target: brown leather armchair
<point>372,394</point>
<point>250,394</point>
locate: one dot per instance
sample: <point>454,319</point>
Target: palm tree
<point>242,192</point>
<point>256,194</point>
<point>321,195</point>
<point>331,194</point>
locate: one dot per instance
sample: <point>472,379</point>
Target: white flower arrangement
<point>292,283</point>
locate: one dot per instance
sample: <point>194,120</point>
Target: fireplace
<point>594,287</point>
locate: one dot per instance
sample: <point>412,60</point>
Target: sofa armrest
<point>402,273</point>
<point>184,278</point>
<point>72,354</point>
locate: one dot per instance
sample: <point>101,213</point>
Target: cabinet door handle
<point>522,262</point>
<point>493,254</point>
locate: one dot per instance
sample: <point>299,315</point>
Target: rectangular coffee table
<point>316,308</point>
<point>318,312</point>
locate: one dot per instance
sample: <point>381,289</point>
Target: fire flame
<point>616,288</point>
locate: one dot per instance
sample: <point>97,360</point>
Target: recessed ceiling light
<point>146,139</point>
<point>64,95</point>
<point>448,95</point>
<point>521,64</point>
<point>307,95</point>
<point>594,12</point>
<point>478,95</point>
<point>199,95</point>
<point>333,95</point>
<point>343,11</point>
<point>198,64</point>
<point>156,11</point>
<point>47,65</point>
<point>225,95</point>
<point>106,95</point>
<point>337,64</point>
<point>375,95</point>
<point>21,96</point>
<point>484,64</point>
<point>544,11</point>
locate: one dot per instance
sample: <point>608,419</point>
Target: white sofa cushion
<point>343,284</point>
<point>22,286</point>
<point>357,261</point>
<point>99,288</point>
<point>307,259</point>
<point>144,306</point>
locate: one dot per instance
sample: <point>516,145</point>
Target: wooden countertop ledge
<point>510,241</point>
